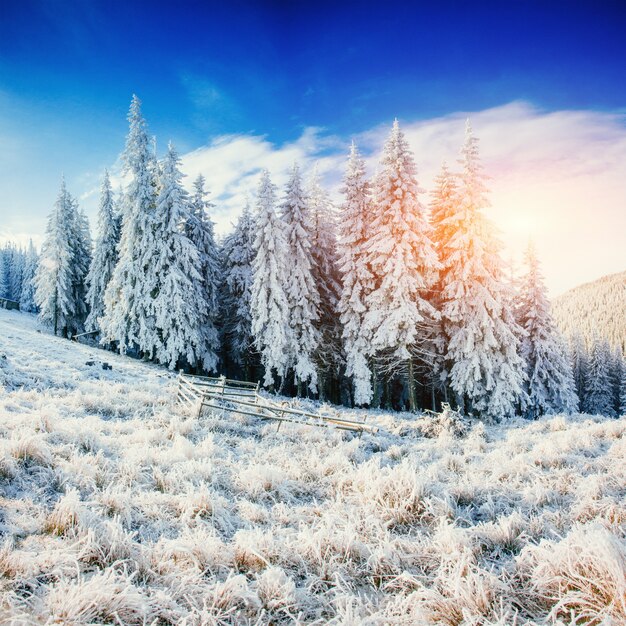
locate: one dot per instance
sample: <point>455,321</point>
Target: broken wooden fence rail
<point>226,394</point>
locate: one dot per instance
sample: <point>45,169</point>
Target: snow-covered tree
<point>444,205</point>
<point>402,258</point>
<point>4,283</point>
<point>486,372</point>
<point>105,255</point>
<point>16,275</point>
<point>27,297</point>
<point>617,373</point>
<point>327,357</point>
<point>129,316</point>
<point>268,304</point>
<point>201,233</point>
<point>181,313</point>
<point>302,290</point>
<point>356,277</point>
<point>81,260</point>
<point>12,261</point>
<point>238,259</point>
<point>599,392</point>
<point>54,280</point>
<point>550,387</point>
<point>580,367</point>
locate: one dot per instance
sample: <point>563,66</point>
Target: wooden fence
<point>11,305</point>
<point>244,398</point>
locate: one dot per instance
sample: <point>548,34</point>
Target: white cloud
<point>557,177</point>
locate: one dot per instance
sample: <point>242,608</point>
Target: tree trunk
<point>321,387</point>
<point>388,403</point>
<point>377,387</point>
<point>410,381</point>
<point>433,399</point>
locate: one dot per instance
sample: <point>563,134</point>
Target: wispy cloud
<point>556,177</point>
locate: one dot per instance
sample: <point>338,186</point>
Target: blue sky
<point>206,70</point>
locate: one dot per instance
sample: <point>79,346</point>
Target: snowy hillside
<point>117,507</point>
<point>598,307</point>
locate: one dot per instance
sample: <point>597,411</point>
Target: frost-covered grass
<point>117,507</point>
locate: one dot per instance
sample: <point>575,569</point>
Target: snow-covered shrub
<point>583,576</point>
<point>31,448</point>
<point>103,597</point>
<point>276,590</point>
<point>67,517</point>
<point>448,422</point>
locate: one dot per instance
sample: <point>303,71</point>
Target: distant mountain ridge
<point>595,308</point>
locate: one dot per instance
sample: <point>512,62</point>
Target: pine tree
<point>617,373</point>
<point>550,385</point>
<point>238,254</point>
<point>444,206</point>
<point>356,277</point>
<point>402,258</point>
<point>302,291</point>
<point>622,391</point>
<point>54,281</point>
<point>580,368</point>
<point>81,261</point>
<point>268,305</point>
<point>599,391</point>
<point>105,255</point>
<point>181,313</point>
<point>16,273</point>
<point>27,297</point>
<point>485,370</point>
<point>327,357</point>
<point>200,231</point>
<point>4,283</point>
<point>129,317</point>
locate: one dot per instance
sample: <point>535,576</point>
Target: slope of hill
<point>598,308</point>
<point>118,507</point>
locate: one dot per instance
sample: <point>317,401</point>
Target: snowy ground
<point>117,507</point>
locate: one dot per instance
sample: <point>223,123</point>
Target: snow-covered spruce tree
<point>550,385</point>
<point>580,368</point>
<point>617,373</point>
<point>486,372</point>
<point>4,284</point>
<point>27,297</point>
<point>129,316</point>
<point>185,332</point>
<point>11,269</point>
<point>201,233</point>
<point>327,356</point>
<point>444,205</point>
<point>269,307</point>
<point>16,275</point>
<point>81,261</point>
<point>356,277</point>
<point>302,291</point>
<point>599,392</point>
<point>399,316</point>
<point>105,255</point>
<point>54,288</point>
<point>238,259</point>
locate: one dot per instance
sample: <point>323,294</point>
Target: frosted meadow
<point>118,507</point>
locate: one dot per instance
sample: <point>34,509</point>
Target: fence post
<point>180,384</point>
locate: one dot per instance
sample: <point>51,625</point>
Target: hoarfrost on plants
<point>119,507</point>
